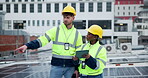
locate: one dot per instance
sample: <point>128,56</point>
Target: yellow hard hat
<point>69,9</point>
<point>96,30</point>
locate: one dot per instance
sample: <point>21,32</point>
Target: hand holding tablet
<point>80,53</point>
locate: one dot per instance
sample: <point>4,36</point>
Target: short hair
<point>68,13</point>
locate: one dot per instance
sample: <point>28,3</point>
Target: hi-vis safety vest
<point>57,35</point>
<point>99,53</point>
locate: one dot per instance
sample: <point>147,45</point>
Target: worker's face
<point>67,19</point>
<point>90,37</point>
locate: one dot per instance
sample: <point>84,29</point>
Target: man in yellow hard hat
<point>92,64</point>
<point>66,40</point>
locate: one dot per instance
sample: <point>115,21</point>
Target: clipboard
<point>81,52</point>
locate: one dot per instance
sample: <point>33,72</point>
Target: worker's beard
<point>66,23</point>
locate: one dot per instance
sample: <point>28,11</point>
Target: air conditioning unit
<point>125,47</point>
<point>110,48</point>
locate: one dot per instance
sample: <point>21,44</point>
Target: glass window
<point>39,8</point>
<point>33,22</point>
<point>31,8</point>
<point>15,8</point>
<point>48,7</point>
<point>26,0</point>
<point>80,24</point>
<point>13,0</point>
<point>123,8</point>
<point>99,6</point>
<point>108,6</point>
<point>1,6</point>
<point>23,8</point>
<point>19,24</point>
<point>42,22</point>
<point>118,13</point>
<point>59,22</point>
<point>73,5</point>
<point>128,13</point>
<point>8,8</point>
<point>123,13</point>
<point>53,22</point>
<point>7,0</point>
<point>8,24</point>
<point>134,7</point>
<point>105,24</point>
<point>48,22</point>
<point>56,7</point>
<point>32,0</point>
<point>129,8</point>
<point>90,7</point>
<point>38,22</point>
<point>134,13</point>
<point>19,0</point>
<point>28,22</point>
<point>39,0</point>
<point>82,6</point>
<point>64,5</point>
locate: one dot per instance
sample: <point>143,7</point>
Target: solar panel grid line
<point>126,70</point>
<point>143,71</point>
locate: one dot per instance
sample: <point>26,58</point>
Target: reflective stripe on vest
<point>40,43</point>
<point>62,43</point>
<point>48,38</point>
<point>61,56</point>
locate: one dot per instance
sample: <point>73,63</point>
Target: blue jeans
<point>88,76</point>
<point>59,72</point>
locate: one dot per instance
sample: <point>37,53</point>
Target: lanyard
<point>68,35</point>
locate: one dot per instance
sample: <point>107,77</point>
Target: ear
<point>73,18</point>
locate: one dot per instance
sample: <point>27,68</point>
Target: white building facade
<point>38,16</point>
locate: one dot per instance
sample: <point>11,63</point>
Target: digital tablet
<point>81,52</point>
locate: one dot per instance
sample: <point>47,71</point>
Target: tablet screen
<point>81,52</point>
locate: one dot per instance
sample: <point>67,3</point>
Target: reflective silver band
<point>48,38</point>
<point>76,38</point>
<point>102,61</point>
<point>40,44</point>
<point>99,49</point>
<point>57,34</point>
<point>61,43</point>
<point>62,56</point>
<point>83,46</point>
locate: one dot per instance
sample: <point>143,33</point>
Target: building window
<point>108,6</point>
<point>118,8</point>
<point>48,7</point>
<point>19,24</point>
<point>80,24</point>
<point>19,0</point>
<point>118,13</point>
<point>53,22</point>
<point>73,5</point>
<point>48,22</point>
<point>134,13</point>
<point>123,13</point>
<point>128,13</point>
<point>8,8</point>
<point>1,6</point>
<point>129,8</point>
<point>32,0</point>
<point>105,24</point>
<point>39,8</point>
<point>33,22</point>
<point>31,8</point>
<point>13,0</point>
<point>7,0</point>
<point>123,8</point>
<point>90,9</point>
<point>23,8</point>
<point>38,22</point>
<point>56,7</point>
<point>64,5</point>
<point>39,0</point>
<point>59,22</point>
<point>99,6</point>
<point>26,0</point>
<point>8,24</point>
<point>28,22</point>
<point>43,23</point>
<point>15,8</point>
<point>134,7</point>
<point>82,7</point>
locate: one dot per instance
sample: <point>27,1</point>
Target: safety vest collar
<point>65,28</point>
